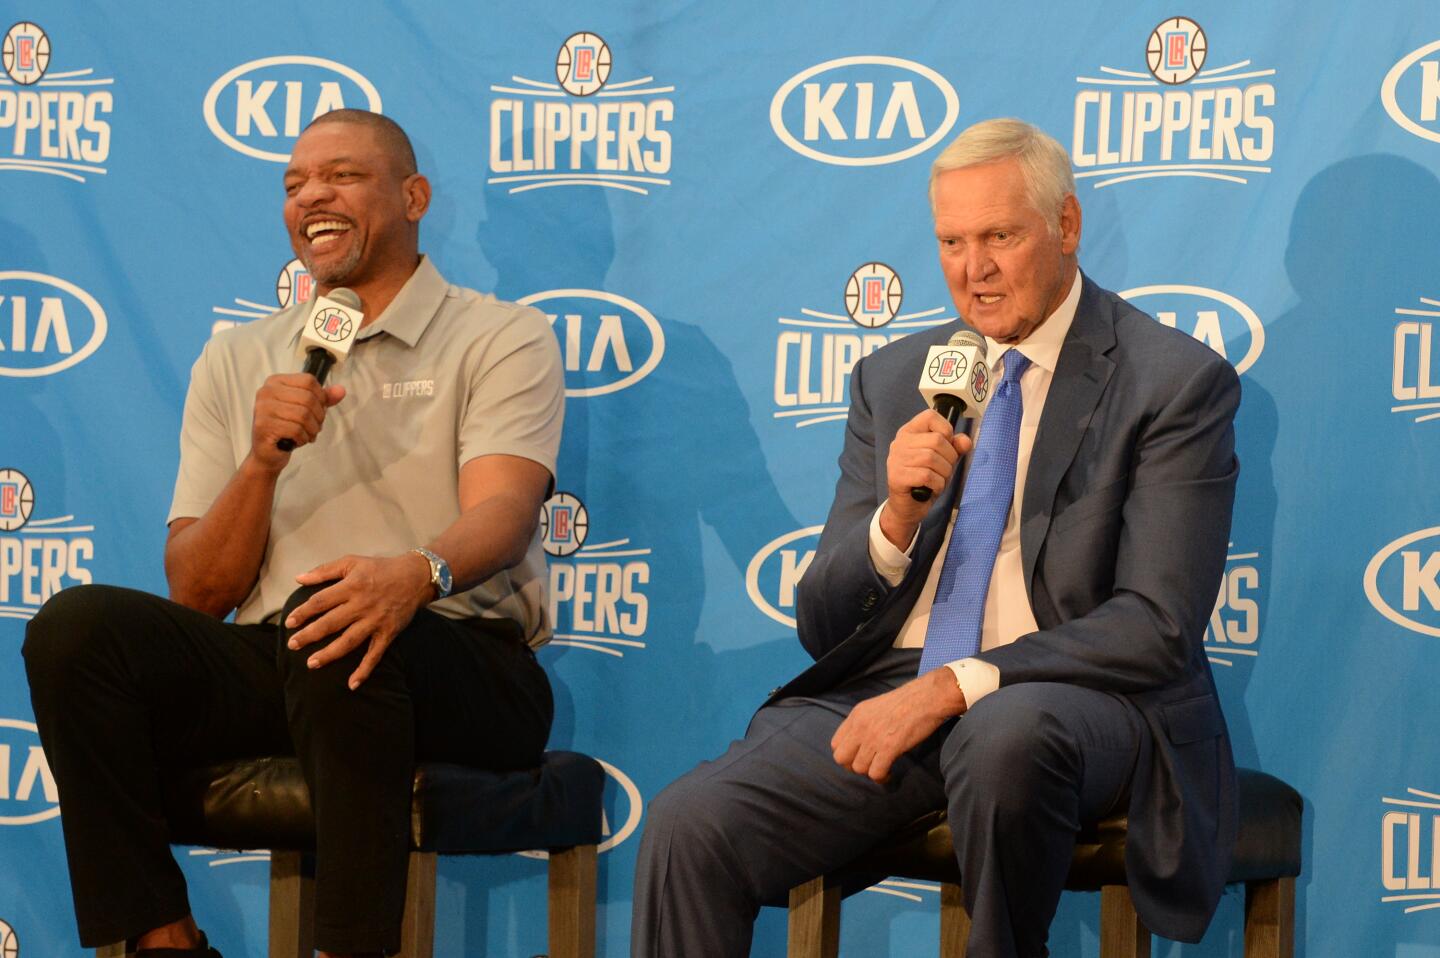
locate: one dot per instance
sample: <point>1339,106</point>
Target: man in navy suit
<point>1085,691</point>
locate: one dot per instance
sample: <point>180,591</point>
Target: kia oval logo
<point>1422,93</point>
<point>771,584</point>
<point>607,342</point>
<point>868,112</point>
<point>46,324</point>
<point>1412,581</point>
<point>253,115</point>
<point>1219,320</point>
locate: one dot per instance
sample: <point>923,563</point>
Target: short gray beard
<point>336,273</point>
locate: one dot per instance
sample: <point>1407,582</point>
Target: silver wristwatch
<point>440,576</point>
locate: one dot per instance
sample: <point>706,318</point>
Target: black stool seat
<point>263,803</point>
<point>1267,846</point>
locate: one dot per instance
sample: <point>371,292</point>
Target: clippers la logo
<point>608,342</point>
<point>1401,581</point>
<point>1234,627</point>
<point>774,573</point>
<point>53,119</point>
<point>584,130</point>
<point>53,324</point>
<point>1412,97</point>
<point>1410,850</point>
<point>597,591</point>
<point>333,325</point>
<point>9,941</point>
<point>293,285</point>
<point>864,111</point>
<point>27,789</point>
<point>948,367</point>
<point>1178,120</point>
<point>1219,320</point>
<point>1412,382</point>
<point>260,107</point>
<point>38,557</point>
<point>815,355</point>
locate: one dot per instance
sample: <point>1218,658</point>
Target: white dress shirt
<point>1007,604</point>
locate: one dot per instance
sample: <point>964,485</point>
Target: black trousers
<point>125,684</point>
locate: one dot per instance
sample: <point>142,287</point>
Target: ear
<point>1069,225</point>
<point>417,196</point>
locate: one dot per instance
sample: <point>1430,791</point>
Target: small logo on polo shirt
<point>404,390</point>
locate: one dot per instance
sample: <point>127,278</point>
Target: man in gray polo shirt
<point>406,515</point>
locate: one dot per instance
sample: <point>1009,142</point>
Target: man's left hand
<point>372,601</point>
<point>880,730</point>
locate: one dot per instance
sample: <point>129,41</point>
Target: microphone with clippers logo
<point>329,331</point>
<point>955,382</point>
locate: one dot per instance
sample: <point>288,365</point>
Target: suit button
<point>869,601</point>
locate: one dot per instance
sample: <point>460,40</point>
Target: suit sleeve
<point>1173,535</point>
<point>841,589</point>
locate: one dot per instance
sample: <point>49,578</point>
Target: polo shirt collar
<point>1042,347</point>
<point>409,313</point>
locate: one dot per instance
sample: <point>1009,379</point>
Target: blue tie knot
<point>1016,363</point>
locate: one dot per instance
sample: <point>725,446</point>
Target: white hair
<point>1044,163</point>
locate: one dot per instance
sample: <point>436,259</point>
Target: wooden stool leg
<point>116,950</point>
<point>572,902</point>
<point>954,922</point>
<point>1270,918</point>
<point>814,920</point>
<point>292,905</point>
<point>1122,935</point>
<point>417,927</point>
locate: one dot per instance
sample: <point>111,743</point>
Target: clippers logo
<point>1410,850</point>
<point>1219,320</point>
<point>53,324</point>
<point>1412,384</point>
<point>1177,120</point>
<point>608,342</point>
<point>293,285</point>
<point>26,53</point>
<point>52,119</point>
<point>980,383</point>
<point>838,102</point>
<point>9,941</point>
<point>1404,574</point>
<point>774,573</point>
<point>584,130</point>
<point>873,295</point>
<point>1234,626</point>
<point>333,325</point>
<point>17,499</point>
<point>814,356</point>
<point>1176,50</point>
<point>1412,97</point>
<point>260,107</point>
<point>597,595</point>
<point>38,557</point>
<point>947,368</point>
<point>622,807</point>
<point>27,789</point>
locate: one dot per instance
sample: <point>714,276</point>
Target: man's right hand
<point>924,452</point>
<point>289,406</point>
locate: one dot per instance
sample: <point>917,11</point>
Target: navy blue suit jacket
<point>1124,531</point>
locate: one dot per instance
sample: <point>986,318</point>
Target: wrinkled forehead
<point>332,144</point>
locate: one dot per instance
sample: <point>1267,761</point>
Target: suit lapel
<point>1081,375</point>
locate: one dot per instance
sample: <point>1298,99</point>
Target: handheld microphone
<point>955,382</point>
<point>326,338</point>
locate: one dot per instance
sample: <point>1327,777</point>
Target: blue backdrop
<point>690,190</point>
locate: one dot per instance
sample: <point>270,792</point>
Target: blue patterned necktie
<point>959,609</point>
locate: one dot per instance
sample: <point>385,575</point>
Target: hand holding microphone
<point>955,382</point>
<point>290,407</point>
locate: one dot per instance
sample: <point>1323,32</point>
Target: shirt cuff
<point>889,562</point>
<point>976,678</point>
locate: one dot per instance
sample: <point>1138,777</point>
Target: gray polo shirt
<point>444,375</point>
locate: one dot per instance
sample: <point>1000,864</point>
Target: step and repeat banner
<point>722,208</point>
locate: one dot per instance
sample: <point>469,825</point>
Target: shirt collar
<point>410,312</point>
<point>1042,347</point>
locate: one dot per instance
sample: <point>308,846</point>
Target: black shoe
<point>203,951</point>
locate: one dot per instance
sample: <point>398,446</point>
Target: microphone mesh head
<point>965,337</point>
<point>346,297</point>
